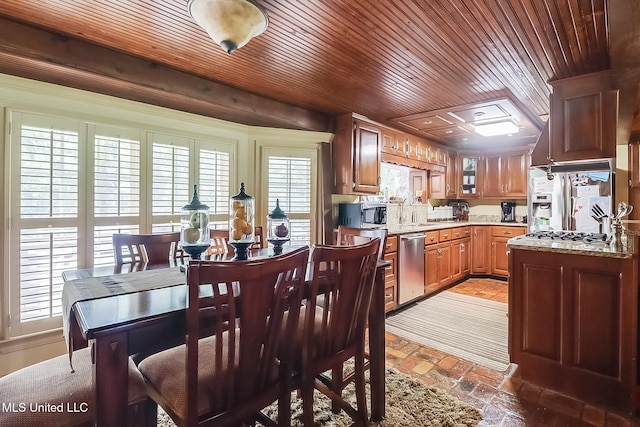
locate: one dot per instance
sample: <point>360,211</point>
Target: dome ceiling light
<point>230,23</point>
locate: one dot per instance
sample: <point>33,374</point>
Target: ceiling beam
<point>38,54</point>
<point>624,45</point>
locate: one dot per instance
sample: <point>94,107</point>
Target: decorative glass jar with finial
<point>194,227</point>
<point>278,228</point>
<point>241,223</point>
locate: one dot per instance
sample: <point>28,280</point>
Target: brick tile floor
<point>505,400</point>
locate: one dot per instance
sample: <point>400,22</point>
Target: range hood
<point>580,166</point>
<point>541,158</point>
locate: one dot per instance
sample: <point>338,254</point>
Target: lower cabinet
<point>573,324</point>
<point>460,259</point>
<point>499,251</point>
<point>480,249</point>
<point>390,274</point>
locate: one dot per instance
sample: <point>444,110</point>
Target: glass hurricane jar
<point>278,228</point>
<point>194,227</point>
<point>241,223</point>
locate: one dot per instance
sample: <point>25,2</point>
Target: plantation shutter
<point>170,188</point>
<point>116,187</point>
<point>45,216</point>
<point>290,180</point>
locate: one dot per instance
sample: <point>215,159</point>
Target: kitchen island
<point>573,317</point>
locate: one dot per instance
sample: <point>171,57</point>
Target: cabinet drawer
<point>390,270</point>
<point>391,245</point>
<point>504,231</point>
<point>390,297</point>
<point>431,237</point>
<point>445,235</point>
<point>460,232</point>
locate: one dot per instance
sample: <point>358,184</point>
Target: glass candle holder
<point>241,223</point>
<point>278,228</point>
<point>194,227</point>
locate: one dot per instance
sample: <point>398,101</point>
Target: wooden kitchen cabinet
<point>460,259</point>
<point>481,249</point>
<point>437,185</point>
<point>583,117</point>
<point>505,175</point>
<point>391,274</point>
<point>469,177</point>
<point>451,176</point>
<point>573,325</point>
<point>357,155</point>
<point>499,251</point>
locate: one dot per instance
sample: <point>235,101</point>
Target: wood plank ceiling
<point>383,59</point>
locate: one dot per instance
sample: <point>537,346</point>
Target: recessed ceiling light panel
<point>496,129</point>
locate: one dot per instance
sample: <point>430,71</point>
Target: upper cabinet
<point>356,155</point>
<point>451,177</point>
<point>469,177</point>
<point>505,175</point>
<point>584,112</point>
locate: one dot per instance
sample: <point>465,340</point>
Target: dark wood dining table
<point>143,322</point>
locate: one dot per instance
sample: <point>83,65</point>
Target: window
<point>290,179</point>
<point>46,188</point>
<point>75,183</point>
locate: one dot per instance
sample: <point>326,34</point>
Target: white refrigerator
<point>565,200</point>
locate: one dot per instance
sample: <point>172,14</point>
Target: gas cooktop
<point>573,236</point>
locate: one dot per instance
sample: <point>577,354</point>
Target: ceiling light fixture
<point>230,23</point>
<point>498,128</point>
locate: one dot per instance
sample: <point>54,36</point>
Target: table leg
<point>110,356</point>
<point>376,347</point>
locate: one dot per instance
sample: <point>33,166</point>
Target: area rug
<point>471,328</point>
<point>408,403</point>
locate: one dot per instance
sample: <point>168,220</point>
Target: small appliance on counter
<point>508,211</point>
<point>350,214</point>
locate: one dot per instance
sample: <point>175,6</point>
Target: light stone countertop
<point>440,225</point>
<point>569,247</point>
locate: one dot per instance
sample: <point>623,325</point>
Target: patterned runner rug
<point>471,328</point>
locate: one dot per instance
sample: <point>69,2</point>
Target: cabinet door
<point>480,249</point>
<point>389,141</point>
<point>493,184</point>
<point>418,183</point>
<point>444,262</point>
<point>451,177</point>
<point>366,165</point>
<point>437,185</point>
<point>390,281</point>
<point>583,117</point>
<point>431,270</point>
<point>515,166</point>
<point>456,259</point>
<point>499,256</point>
<point>465,257</point>
<point>469,177</point>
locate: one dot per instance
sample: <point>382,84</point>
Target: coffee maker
<point>508,211</point>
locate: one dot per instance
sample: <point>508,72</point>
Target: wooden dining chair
<point>220,243</point>
<point>146,248</point>
<point>51,382</point>
<point>334,333</point>
<point>226,375</point>
<point>349,236</point>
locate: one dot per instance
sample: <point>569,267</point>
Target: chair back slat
<point>344,276</point>
<point>146,248</point>
<point>348,236</point>
<point>247,301</point>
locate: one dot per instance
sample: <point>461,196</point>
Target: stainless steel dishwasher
<point>410,267</point>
